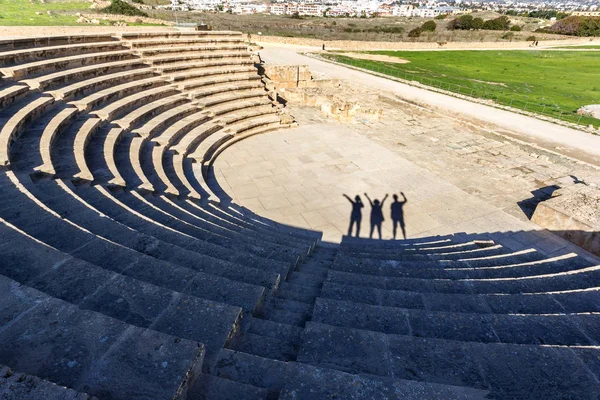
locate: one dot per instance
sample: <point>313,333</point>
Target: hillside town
<point>385,8</point>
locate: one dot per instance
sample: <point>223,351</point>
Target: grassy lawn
<point>583,46</point>
<point>23,12</point>
<point>553,83</point>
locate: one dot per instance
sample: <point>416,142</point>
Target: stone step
<point>46,66</point>
<point>221,88</point>
<point>153,126</point>
<point>300,289</point>
<point>52,130</point>
<point>310,382</point>
<point>65,77</point>
<point>206,149</point>
<point>88,86</point>
<point>29,55</point>
<point>284,316</point>
<point>19,121</point>
<point>563,263</point>
<point>264,346</point>
<point>300,297</point>
<point>174,36</point>
<point>391,252</point>
<point>52,40</point>
<point>580,279</point>
<point>155,51</point>
<point>275,330</point>
<point>136,117</point>
<point>242,126</point>
<point>306,280</point>
<point>207,73</point>
<point>209,387</point>
<point>210,101</point>
<point>557,329</point>
<point>288,305</point>
<point>356,243</point>
<point>18,386</point>
<point>11,94</point>
<point>250,112</point>
<point>507,370</point>
<point>233,106</point>
<point>194,56</point>
<point>576,301</point>
<point>82,139</point>
<point>90,352</point>
<point>179,67</point>
<point>190,84</point>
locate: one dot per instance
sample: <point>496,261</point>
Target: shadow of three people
<point>397,214</point>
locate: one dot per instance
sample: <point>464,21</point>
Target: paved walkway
<point>546,134</point>
<point>299,176</point>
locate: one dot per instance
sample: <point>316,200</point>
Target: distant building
<point>586,13</point>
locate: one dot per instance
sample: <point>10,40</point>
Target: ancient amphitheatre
<point>173,227</point>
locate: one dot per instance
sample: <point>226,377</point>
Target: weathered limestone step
<point>89,86</point>
<point>194,56</point>
<point>209,387</point>
<point>231,118</point>
<point>313,268</point>
<point>391,252</point>
<point>580,279</point>
<point>190,84</point>
<point>309,382</point>
<point>558,329</point>
<point>207,147</point>
<point>244,125</point>
<point>264,346</point>
<point>216,99</point>
<point>82,138</point>
<point>51,65</point>
<point>567,262</point>
<point>207,73</point>
<point>507,370</point>
<point>51,131</point>
<point>578,301</point>
<point>345,263</point>
<point>18,386</point>
<point>299,297</point>
<point>233,105</point>
<point>175,68</point>
<point>221,88</point>
<point>165,118</point>
<point>284,316</point>
<point>23,56</point>
<point>30,43</point>
<point>18,122</point>
<point>366,244</point>
<point>141,114</point>
<point>275,330</point>
<point>155,51</point>
<point>90,352</point>
<point>306,280</point>
<point>64,77</point>
<point>11,94</point>
<point>299,289</point>
<point>174,35</point>
<point>114,93</point>
<point>180,127</point>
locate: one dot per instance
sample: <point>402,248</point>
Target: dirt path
<point>376,57</point>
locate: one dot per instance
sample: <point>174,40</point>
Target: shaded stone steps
<point>53,40</point>
<point>179,67</point>
<point>283,316</point>
<point>208,73</point>
<point>12,93</point>
<point>264,346</point>
<point>103,200</point>
<point>15,385</point>
<point>576,301</point>
<point>504,369</point>
<point>390,253</point>
<point>547,329</point>
<point>350,242</point>
<point>90,352</point>
<point>60,198</point>
<point>182,48</point>
<point>47,226</point>
<point>309,382</point>
<point>210,80</point>
<point>117,295</point>
<point>164,60</point>
<point>275,330</point>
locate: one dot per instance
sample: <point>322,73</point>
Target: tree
<point>428,26</point>
<point>501,23</point>
<point>515,28</point>
<point>122,8</point>
<point>477,23</point>
<point>464,22</point>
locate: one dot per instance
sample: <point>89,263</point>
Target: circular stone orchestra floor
<point>298,177</point>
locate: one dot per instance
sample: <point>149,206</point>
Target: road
<point>572,142</point>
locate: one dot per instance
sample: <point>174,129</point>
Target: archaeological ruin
<point>164,237</point>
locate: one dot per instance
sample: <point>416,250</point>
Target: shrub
<point>508,36</point>
<point>501,23</point>
<point>122,8</point>
<point>531,38</point>
<point>428,26</point>
<point>577,26</point>
<point>415,33</point>
<point>477,23</point>
<point>441,16</point>
<point>515,28</point>
<point>137,1</point>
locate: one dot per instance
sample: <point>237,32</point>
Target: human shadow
<point>356,214</point>
<point>398,214</point>
<point>376,215</point>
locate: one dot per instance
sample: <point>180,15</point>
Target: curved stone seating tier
<point>110,290</point>
<point>23,56</point>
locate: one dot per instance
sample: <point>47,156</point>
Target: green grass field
<point>23,12</point>
<point>588,47</point>
<point>553,83</point>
